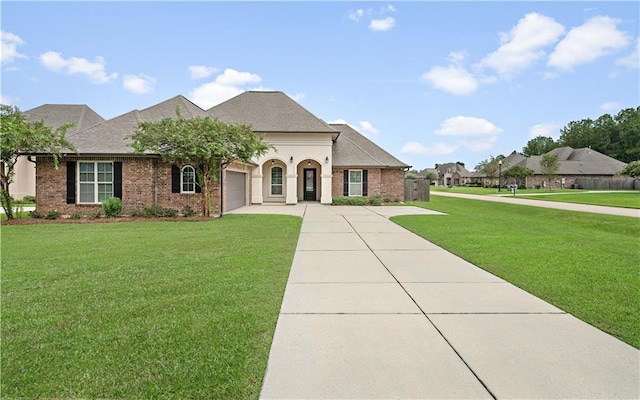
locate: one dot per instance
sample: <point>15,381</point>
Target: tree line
<point>615,136</point>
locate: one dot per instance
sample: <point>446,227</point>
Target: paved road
<point>627,212</point>
<point>372,310</point>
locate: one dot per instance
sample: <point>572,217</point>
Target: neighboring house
<point>311,161</point>
<point>573,164</point>
<point>53,115</point>
<point>449,174</point>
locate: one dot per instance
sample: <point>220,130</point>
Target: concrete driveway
<point>373,311</point>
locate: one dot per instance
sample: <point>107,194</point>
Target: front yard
<point>142,309</point>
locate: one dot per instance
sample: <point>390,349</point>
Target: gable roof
<point>111,137</point>
<point>56,115</point>
<point>352,149</point>
<point>452,168</point>
<point>269,112</point>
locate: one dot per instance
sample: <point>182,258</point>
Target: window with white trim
<point>95,181</point>
<point>355,182</point>
<point>276,181</point>
<point>188,179</point>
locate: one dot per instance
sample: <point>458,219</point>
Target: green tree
<point>21,137</point>
<point>431,176</point>
<point>549,165</point>
<point>538,146</point>
<point>628,122</point>
<point>207,144</point>
<point>632,169</point>
<point>617,137</point>
<point>518,172</point>
<point>491,167</point>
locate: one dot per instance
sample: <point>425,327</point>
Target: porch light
<point>272,162</point>
<point>308,162</point>
<point>326,160</point>
<point>291,160</point>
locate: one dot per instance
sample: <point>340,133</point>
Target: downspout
<point>30,160</point>
<point>221,191</point>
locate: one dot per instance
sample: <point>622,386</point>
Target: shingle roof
<point>450,168</point>
<point>583,161</point>
<point>269,112</point>
<point>56,115</point>
<point>352,149</point>
<point>110,137</point>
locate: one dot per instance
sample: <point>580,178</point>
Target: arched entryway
<point>309,184</point>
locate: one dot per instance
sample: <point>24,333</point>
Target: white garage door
<point>236,190</point>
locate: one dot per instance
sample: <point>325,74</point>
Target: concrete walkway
<point>625,212</point>
<point>373,311</point>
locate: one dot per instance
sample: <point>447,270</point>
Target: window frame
<point>96,183</point>
<point>360,184</point>
<point>280,185</point>
<point>183,183</point>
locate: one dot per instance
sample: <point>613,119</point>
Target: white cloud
<point>479,145</point>
<point>7,100</point>
<point>356,14</point>
<point>95,71</point>
<point>438,149</point>
<point>201,71</point>
<point>9,50</point>
<point>364,127</point>
<point>596,38</point>
<point>549,129</point>
<point>610,106</point>
<point>231,77</point>
<point>383,24</point>
<point>632,60</point>
<point>462,126</point>
<point>452,79</point>
<point>367,128</point>
<point>228,84</point>
<point>138,84</point>
<point>298,96</point>
<point>523,45</point>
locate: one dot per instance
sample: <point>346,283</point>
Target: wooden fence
<point>607,184</point>
<point>416,189</point>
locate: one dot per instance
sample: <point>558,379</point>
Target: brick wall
<point>145,181</point>
<point>386,182</point>
<point>392,184</point>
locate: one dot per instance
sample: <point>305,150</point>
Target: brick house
<point>572,165</point>
<point>311,161</point>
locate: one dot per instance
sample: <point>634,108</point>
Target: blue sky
<point>431,82</point>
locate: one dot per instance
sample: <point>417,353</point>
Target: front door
<point>310,184</point>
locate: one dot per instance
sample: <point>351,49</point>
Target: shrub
<point>157,211</point>
<point>29,199</point>
<point>53,214</point>
<point>36,214</point>
<point>95,213</point>
<point>187,211</point>
<point>375,200</point>
<point>77,215</point>
<point>357,201</point>
<point>112,207</point>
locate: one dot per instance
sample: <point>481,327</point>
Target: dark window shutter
<point>117,179</point>
<point>175,179</point>
<point>346,183</point>
<point>365,189</point>
<point>198,188</point>
<point>71,182</point>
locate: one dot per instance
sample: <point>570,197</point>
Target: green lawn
<point>182,310</point>
<point>613,199</point>
<point>586,264</point>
